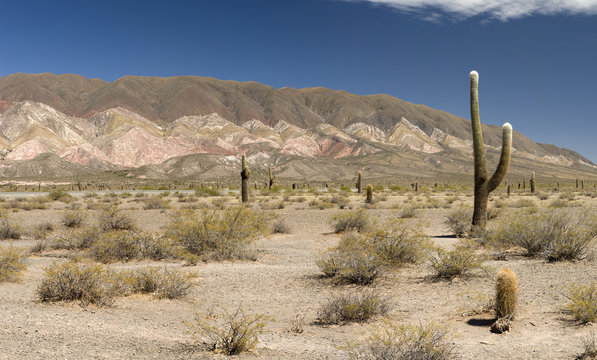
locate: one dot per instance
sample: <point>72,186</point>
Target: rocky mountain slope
<point>153,125</point>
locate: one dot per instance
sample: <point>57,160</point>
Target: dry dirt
<point>283,283</point>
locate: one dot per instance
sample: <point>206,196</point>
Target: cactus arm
<point>478,147</point>
<point>504,163</point>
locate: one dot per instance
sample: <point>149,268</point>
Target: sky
<point>537,59</point>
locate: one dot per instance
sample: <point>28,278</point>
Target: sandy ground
<point>283,283</point>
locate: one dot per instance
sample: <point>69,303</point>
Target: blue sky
<point>537,59</point>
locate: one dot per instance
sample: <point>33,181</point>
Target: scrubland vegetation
<point>403,275</point>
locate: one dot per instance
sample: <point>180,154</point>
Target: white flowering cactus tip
<point>474,74</point>
<point>507,126</point>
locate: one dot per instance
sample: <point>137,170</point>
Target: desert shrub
<point>9,230</point>
<point>589,344</point>
<point>350,265</point>
<point>112,218</point>
<point>397,242</point>
<point>351,220</point>
<point>458,262</point>
<point>523,203</point>
<point>279,226</point>
<point>76,281</point>
<point>220,234</point>
<point>542,196</point>
<point>408,212</point>
<point>155,202</point>
<point>352,307</point>
<point>492,212</point>
<point>72,218</point>
<point>583,302</point>
<point>12,264</point>
<point>206,192</point>
<point>41,231</point>
<point>341,201</point>
<point>358,258</point>
<point>553,234</point>
<point>166,284</point>
<point>59,195</point>
<point>425,342</point>
<point>126,245</point>
<point>459,220</point>
<point>226,332</point>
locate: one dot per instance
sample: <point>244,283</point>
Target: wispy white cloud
<point>503,10</point>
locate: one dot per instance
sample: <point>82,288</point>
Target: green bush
<point>352,307</point>
<point>219,234</point>
<point>425,342</point>
<point>230,333</point>
<point>12,264</point>
<point>583,302</point>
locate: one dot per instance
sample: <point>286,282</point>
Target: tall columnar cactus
<point>532,182</point>
<point>369,198</point>
<point>483,183</point>
<point>245,174</point>
<point>359,185</point>
<point>272,178</point>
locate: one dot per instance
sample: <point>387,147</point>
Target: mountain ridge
<point>138,121</point>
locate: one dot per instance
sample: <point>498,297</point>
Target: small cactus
<point>369,198</point>
<point>245,174</point>
<point>532,182</point>
<point>509,190</point>
<point>359,179</point>
<point>506,293</point>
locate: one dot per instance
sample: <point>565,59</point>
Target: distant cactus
<point>506,293</point>
<point>577,183</point>
<point>369,198</point>
<point>524,183</point>
<point>483,183</point>
<point>508,190</point>
<point>272,178</point>
<point>245,174</point>
<point>532,182</point>
<point>359,179</point>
